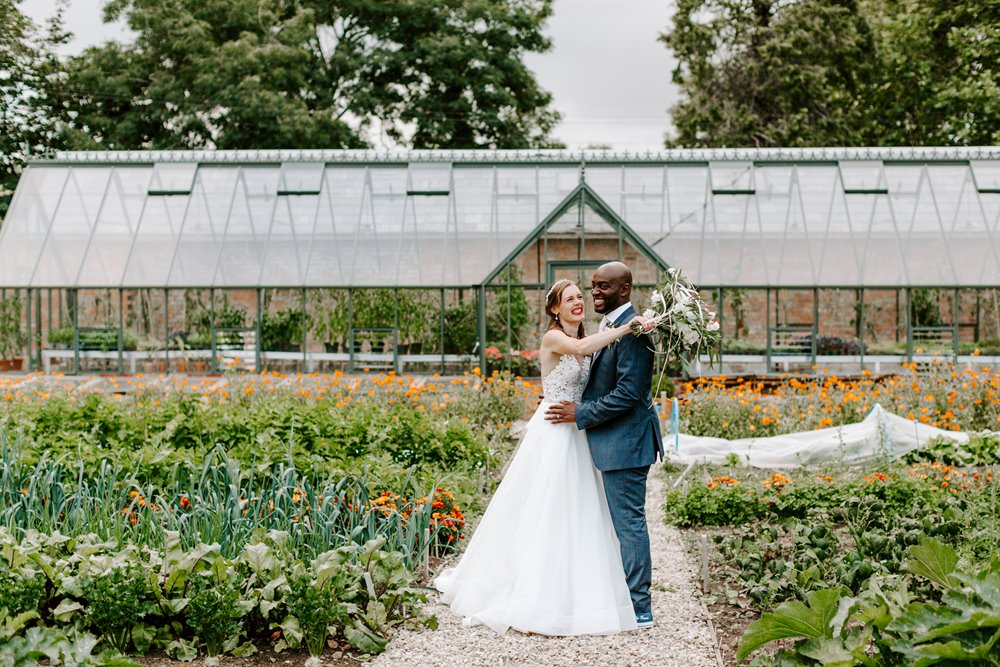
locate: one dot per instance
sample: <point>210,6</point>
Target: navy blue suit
<point>624,435</point>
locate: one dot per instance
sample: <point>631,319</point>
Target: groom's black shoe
<point>644,620</point>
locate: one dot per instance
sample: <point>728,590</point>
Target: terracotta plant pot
<point>8,365</point>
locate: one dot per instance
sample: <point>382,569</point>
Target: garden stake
<point>703,542</point>
<point>681,477</point>
<point>427,553</point>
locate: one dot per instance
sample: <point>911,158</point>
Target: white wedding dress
<point>545,558</point>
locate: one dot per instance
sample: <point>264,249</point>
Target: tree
<point>941,71</point>
<point>309,74</point>
<point>772,73</point>
<point>836,72</point>
<point>22,69</point>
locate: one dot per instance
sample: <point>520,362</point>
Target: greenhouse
<point>438,261</point>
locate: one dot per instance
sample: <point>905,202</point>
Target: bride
<point>545,558</point>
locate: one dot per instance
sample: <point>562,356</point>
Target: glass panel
<point>516,216</point>
<point>919,223</point>
<point>337,224</point>
<point>862,175</point>
<point>388,180</point>
<point>606,181</point>
<point>72,224</point>
<point>646,215</point>
<point>554,183</point>
<point>758,257</point>
<point>376,252</point>
<point>204,227</point>
<point>881,259</point>
<point>301,177</point>
<point>290,239</point>
<point>146,327</point>
<point>884,322</point>
<point>474,200</point>
<point>430,177</point>
<point>434,243</point>
<point>644,180</point>
<point>689,192</point>
<point>516,180</point>
<point>116,227</point>
<point>98,319</point>
<point>839,248</point>
<point>153,249</point>
<point>330,257</point>
<point>987,174</point>
<point>838,322</point>
<point>282,327</point>
<point>800,245</point>
<point>247,229</point>
<point>173,177</point>
<point>732,176</point>
<point>774,180</point>
<point>23,232</point>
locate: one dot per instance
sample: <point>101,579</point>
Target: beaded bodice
<point>567,380</point>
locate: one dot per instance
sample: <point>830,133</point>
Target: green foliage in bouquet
<point>684,325</point>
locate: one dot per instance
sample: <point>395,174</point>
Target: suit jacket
<point>616,410</point>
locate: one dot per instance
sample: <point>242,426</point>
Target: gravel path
<point>681,635</point>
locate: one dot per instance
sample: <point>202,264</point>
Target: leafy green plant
<point>387,598</point>
<point>21,645</point>
<point>21,592</point>
<point>115,600</point>
<point>213,613</point>
<point>282,330</point>
<point>322,601</point>
<point>889,626</point>
<point>983,449</point>
<point>12,332</point>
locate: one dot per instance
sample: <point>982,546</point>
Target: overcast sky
<point>609,75</point>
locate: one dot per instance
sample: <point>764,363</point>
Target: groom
<point>622,428</point>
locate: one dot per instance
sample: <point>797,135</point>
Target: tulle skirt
<point>545,558</point>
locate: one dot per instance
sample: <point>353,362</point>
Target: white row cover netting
<point>880,436</point>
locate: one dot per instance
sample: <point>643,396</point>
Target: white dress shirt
<point>609,318</point>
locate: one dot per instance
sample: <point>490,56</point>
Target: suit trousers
<point>626,492</point>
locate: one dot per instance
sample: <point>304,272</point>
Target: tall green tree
<point>23,58</point>
<point>940,64</point>
<point>836,72</point>
<point>309,74</point>
<point>772,73</point>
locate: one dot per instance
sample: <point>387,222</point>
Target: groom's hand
<point>563,412</point>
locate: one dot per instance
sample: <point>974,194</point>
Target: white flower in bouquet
<point>689,335</point>
<point>683,324</point>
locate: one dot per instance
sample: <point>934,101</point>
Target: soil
<point>730,620</point>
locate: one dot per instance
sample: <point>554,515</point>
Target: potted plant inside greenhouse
<point>328,320</point>
<point>282,330</point>
<point>12,334</point>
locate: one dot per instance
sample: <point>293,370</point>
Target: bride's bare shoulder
<point>554,337</point>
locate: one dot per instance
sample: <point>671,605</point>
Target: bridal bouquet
<point>683,323</point>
